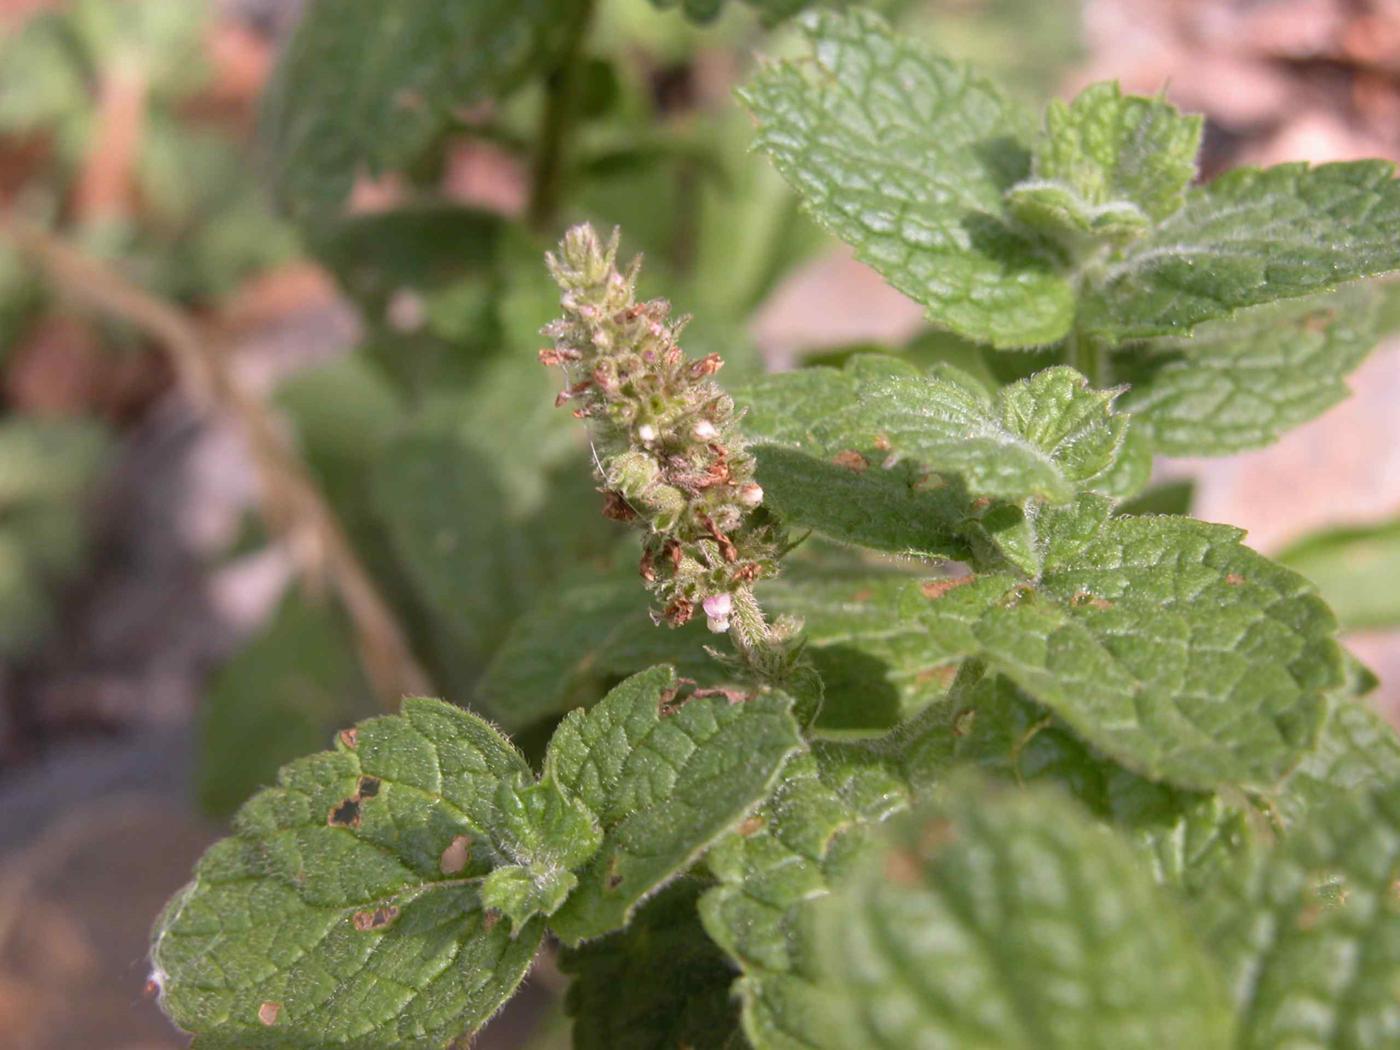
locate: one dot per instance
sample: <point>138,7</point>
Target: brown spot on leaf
<point>902,868</point>
<point>454,858</point>
<point>350,737</point>
<point>368,787</point>
<point>981,503</point>
<point>943,675</point>
<point>1085,598</point>
<point>1234,579</point>
<point>882,443</point>
<point>375,918</point>
<point>489,918</point>
<point>851,460</point>
<point>929,482</point>
<point>863,595</point>
<point>963,722</point>
<point>751,826</point>
<point>614,881</point>
<point>345,814</point>
<point>934,589</point>
<point>268,1011</point>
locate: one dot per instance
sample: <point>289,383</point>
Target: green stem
<point>1089,356</point>
<point>557,122</point>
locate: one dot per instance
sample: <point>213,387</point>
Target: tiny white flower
<point>751,495</point>
<point>705,431</point>
<point>647,433</point>
<point>717,609</point>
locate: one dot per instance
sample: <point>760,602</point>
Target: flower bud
<point>647,433</point>
<point>705,431</point>
<point>751,495</point>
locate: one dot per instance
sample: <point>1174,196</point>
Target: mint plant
<point>930,738</point>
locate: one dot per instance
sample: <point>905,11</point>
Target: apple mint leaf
<point>659,982</point>
<point>1357,751</point>
<point>348,907</point>
<point>1241,383</point>
<point>1308,935</point>
<point>773,869</point>
<point>1107,165</point>
<point>666,776</point>
<point>875,664</point>
<point>1250,237</point>
<point>412,64</point>
<point>1164,643</point>
<point>906,156</point>
<point>865,638</point>
<point>1185,838</point>
<point>1006,918</point>
<point>1357,569</point>
<point>1044,437</point>
<point>587,632</point>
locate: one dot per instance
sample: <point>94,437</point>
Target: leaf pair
<point>394,890</point>
<point>1086,232</point>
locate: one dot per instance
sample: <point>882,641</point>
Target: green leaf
<point>277,699</point>
<point>1309,934</point>
<point>1357,569</point>
<point>347,908</point>
<point>419,248</point>
<point>1163,642</point>
<point>659,982</point>
<point>1045,437</point>
<point>474,493</point>
<point>1165,497</point>
<point>1357,751</point>
<point>1242,383</point>
<point>410,64</point>
<point>1186,838</point>
<point>865,637</point>
<point>584,634</point>
<point>1250,237</point>
<point>776,866</point>
<point>906,156</point>
<point>665,784</point>
<point>1006,919</point>
<point>1108,165</point>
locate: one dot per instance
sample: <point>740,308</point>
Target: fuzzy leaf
<point>1250,237</point>
<point>1357,569</point>
<point>1044,437</point>
<point>1241,383</point>
<point>1003,919</point>
<point>906,156</point>
<point>774,868</point>
<point>588,633</point>
<point>1108,165</point>
<point>409,65</point>
<point>865,638</point>
<point>1309,935</point>
<point>663,785</point>
<point>1186,838</point>
<point>1163,642</point>
<point>347,908</point>
<point>1357,751</point>
<point>660,982</point>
